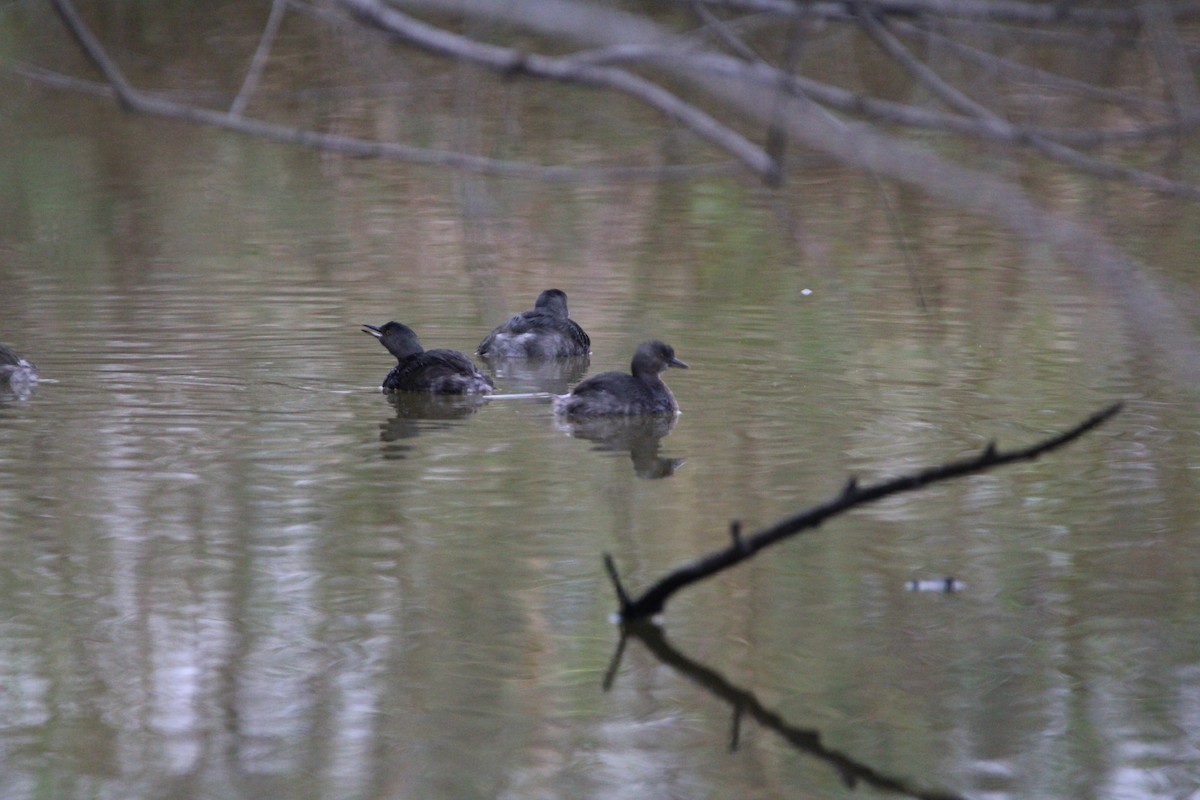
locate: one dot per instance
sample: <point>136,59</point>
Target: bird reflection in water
<point>639,435</point>
<point>417,413</point>
<point>18,378</point>
<point>552,375</point>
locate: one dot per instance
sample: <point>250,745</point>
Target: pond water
<point>234,568</point>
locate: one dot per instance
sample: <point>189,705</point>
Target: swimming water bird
<point>419,370</point>
<point>15,370</point>
<point>643,392</point>
<point>544,332</point>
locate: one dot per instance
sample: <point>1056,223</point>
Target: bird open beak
<point>371,329</point>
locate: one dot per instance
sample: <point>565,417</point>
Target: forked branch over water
<point>654,599</point>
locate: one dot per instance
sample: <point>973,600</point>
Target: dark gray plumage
<point>419,370</point>
<point>642,392</point>
<point>544,332</point>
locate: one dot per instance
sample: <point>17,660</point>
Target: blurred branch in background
<point>139,101</point>
<point>727,42</point>
<point>1103,90</point>
<point>512,62</point>
<point>261,57</point>
<point>716,49</point>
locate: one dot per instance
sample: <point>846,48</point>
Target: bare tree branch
<point>722,32</point>
<point>1006,67</point>
<point>972,119</point>
<point>1131,102</point>
<point>138,101</point>
<point>1011,11</point>
<point>259,62</point>
<point>654,599</point>
<point>889,44</point>
<point>1054,150</point>
<point>812,115</point>
<point>1151,310</point>
<point>588,68</point>
<point>509,61</point>
<point>1172,58</point>
<point>1052,143</point>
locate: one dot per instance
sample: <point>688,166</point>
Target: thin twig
<point>1168,50</point>
<point>892,113</point>
<point>927,77</point>
<point>990,127</point>
<point>723,33</point>
<point>259,62</point>
<point>135,100</point>
<point>1054,150</point>
<point>654,599</point>
<point>1013,69</point>
<point>511,62</point>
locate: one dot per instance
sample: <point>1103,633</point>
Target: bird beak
<point>675,362</point>
<point>371,329</point>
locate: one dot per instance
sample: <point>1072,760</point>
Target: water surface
<point>234,568</point>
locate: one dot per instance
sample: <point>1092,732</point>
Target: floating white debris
<point>945,585</point>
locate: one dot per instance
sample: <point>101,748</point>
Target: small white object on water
<point>806,292</point>
<point>944,585</point>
